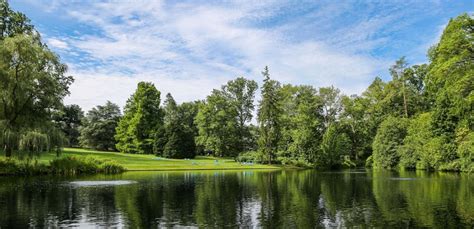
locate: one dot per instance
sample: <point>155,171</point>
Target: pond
<point>268,199</point>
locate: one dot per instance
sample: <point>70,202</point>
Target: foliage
<point>217,125</point>
<point>33,84</point>
<point>301,124</point>
<point>223,119</point>
<point>251,157</point>
<point>353,122</point>
<point>269,117</point>
<point>387,142</point>
<point>69,165</point>
<point>98,129</point>
<point>179,135</point>
<point>12,166</point>
<point>14,23</point>
<point>334,146</point>
<point>68,119</point>
<point>142,119</point>
<point>241,93</point>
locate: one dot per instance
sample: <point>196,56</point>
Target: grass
<point>138,162</point>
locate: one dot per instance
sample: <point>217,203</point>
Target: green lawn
<point>135,162</point>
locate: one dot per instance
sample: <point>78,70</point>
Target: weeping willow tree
<point>32,85</point>
<point>32,142</point>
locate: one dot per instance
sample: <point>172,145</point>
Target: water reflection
<point>269,199</point>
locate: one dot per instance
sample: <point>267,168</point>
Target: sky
<point>188,48</point>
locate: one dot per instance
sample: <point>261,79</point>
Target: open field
<point>138,162</point>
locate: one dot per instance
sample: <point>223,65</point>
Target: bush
<point>11,166</point>
<point>299,162</point>
<point>61,166</point>
<point>84,165</point>
<point>251,156</point>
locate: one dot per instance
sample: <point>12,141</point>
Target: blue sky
<point>190,47</point>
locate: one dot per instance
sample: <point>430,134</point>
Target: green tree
<point>13,23</point>
<point>269,114</point>
<point>353,121</point>
<point>223,119</point>
<point>450,80</point>
<point>397,71</point>
<point>389,139</point>
<point>217,124</point>
<point>179,135</point>
<point>301,123</point>
<point>98,129</point>
<point>332,105</point>
<point>33,85</point>
<point>334,146</point>
<point>241,92</point>
<point>69,119</point>
<point>143,117</point>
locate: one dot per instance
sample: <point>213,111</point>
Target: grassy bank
<point>134,162</point>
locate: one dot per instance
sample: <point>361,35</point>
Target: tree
<point>217,124</point>
<point>397,71</point>
<point>241,92</point>
<point>223,119</point>
<point>332,106</point>
<point>301,124</point>
<point>389,139</point>
<point>33,81</point>
<point>68,120</point>
<point>98,129</point>
<point>179,135</point>
<point>14,23</point>
<point>353,122</point>
<point>143,117</point>
<point>334,145</point>
<point>450,80</point>
<point>269,113</point>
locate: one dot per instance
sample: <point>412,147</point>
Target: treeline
<point>421,119</point>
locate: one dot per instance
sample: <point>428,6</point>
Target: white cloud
<point>56,43</point>
<point>188,50</point>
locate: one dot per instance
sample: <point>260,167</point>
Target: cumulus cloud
<point>56,43</point>
<point>189,49</point>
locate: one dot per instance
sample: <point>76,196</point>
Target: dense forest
<point>423,118</point>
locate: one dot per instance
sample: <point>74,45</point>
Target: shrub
<point>61,166</point>
<point>11,166</point>
<point>250,156</point>
<point>84,165</point>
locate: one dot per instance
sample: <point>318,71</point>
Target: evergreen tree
<point>269,114</point>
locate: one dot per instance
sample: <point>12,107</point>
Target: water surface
<point>268,199</point>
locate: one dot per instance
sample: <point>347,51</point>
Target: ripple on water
<point>101,183</point>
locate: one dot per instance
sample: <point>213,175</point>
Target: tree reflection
<point>269,199</point>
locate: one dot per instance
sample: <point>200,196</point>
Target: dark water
<point>268,199</point>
